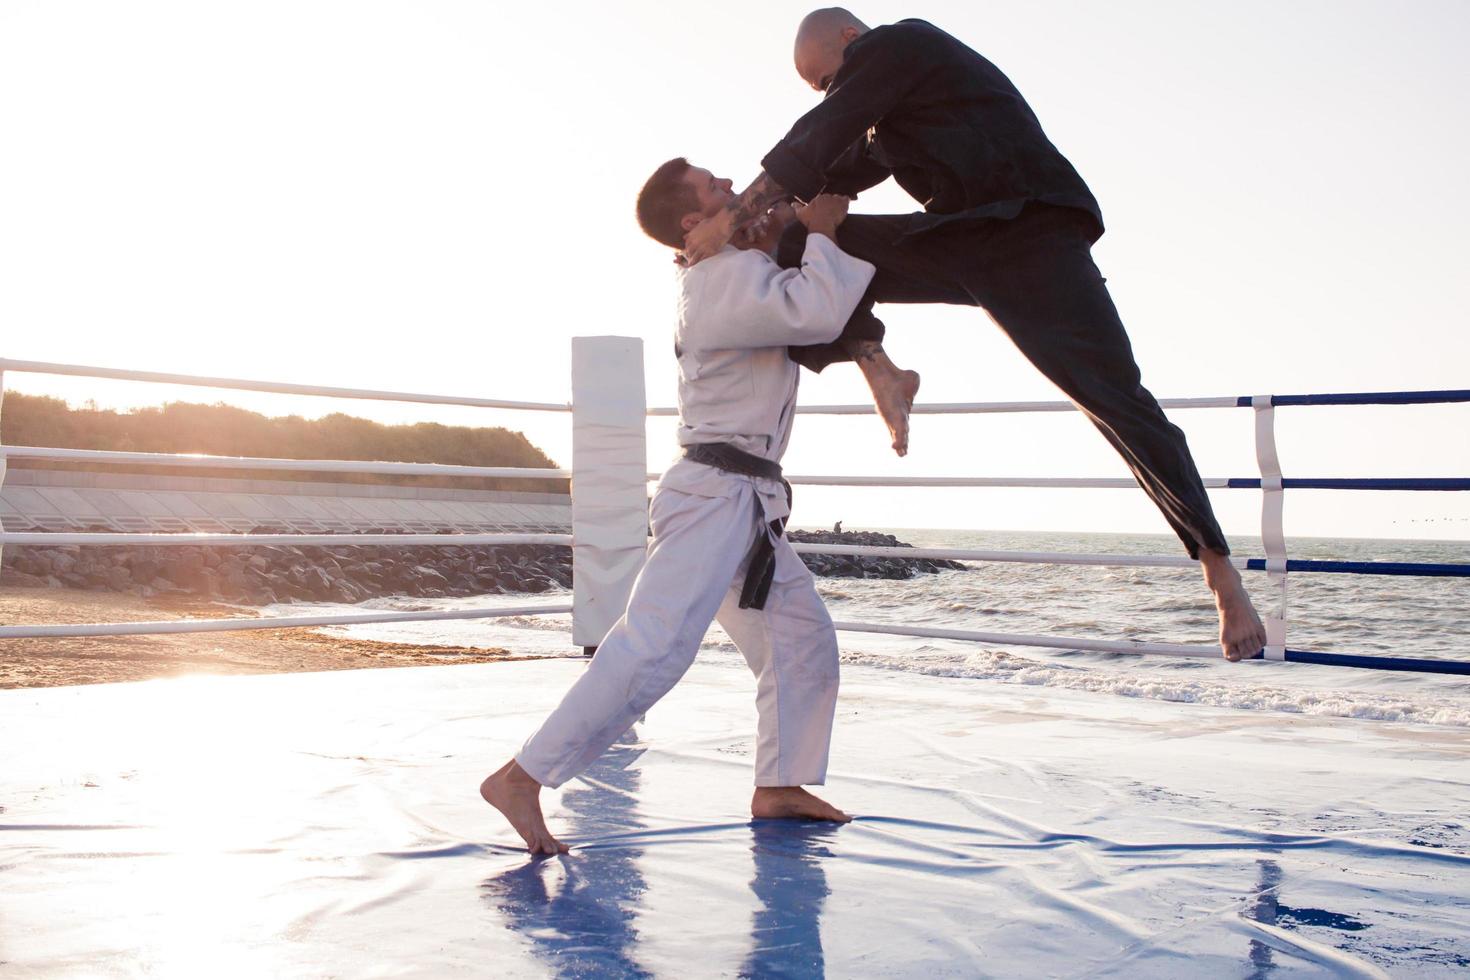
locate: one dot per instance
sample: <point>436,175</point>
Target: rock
<point>234,581</point>
<point>145,569</point>
<point>344,591</point>
<point>184,568</point>
<point>26,563</point>
<point>11,576</point>
<point>280,573</point>
<point>317,583</point>
<point>866,566</point>
<point>430,576</point>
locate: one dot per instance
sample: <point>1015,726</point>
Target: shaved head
<point>820,40</point>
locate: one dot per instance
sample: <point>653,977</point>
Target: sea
<point>1380,615</point>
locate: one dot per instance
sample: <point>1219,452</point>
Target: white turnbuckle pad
<point>610,487</point>
<point>1273,533</point>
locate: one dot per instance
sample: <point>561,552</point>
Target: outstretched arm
<point>876,76</point>
<point>854,171</point>
<point>711,234</point>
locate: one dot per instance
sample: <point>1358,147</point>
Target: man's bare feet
<point>893,390</point>
<point>1241,634</point>
<point>792,803</point>
<point>513,792</point>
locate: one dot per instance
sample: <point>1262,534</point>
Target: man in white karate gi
<point>717,551</point>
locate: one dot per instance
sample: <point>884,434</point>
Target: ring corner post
<point>609,481</point>
<point>1273,528</point>
<point>4,461</point>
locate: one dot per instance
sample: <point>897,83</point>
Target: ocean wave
<point>1347,613</point>
<point>1008,668</point>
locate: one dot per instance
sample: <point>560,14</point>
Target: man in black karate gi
<point>1007,225</point>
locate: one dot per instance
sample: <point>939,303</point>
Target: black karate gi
<point>1007,225</point>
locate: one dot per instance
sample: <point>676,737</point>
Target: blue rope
<point>1368,398</point>
<point>1418,665</point>
<point>1350,483</point>
<point>1426,569</point>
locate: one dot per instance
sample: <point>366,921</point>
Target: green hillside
<point>222,430</point>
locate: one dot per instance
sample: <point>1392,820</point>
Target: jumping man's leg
<point>792,650</point>
<point>1037,279</point>
<point>1241,634</point>
<point>893,388</point>
<point>698,544</point>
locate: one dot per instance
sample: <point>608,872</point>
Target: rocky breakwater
<point>866,566</point>
<point>261,575</point>
<point>266,574</point>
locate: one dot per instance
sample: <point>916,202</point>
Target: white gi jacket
<point>738,312</point>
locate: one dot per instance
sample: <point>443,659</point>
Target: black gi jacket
<point>913,101</point>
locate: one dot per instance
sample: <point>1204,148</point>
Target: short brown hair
<point>664,201</point>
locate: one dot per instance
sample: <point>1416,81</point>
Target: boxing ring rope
<point>280,622</point>
<point>184,538</point>
<point>609,462</point>
<point>274,387</point>
<point>121,539</point>
<point>258,463</point>
<point>1272,484</point>
<point>1225,401</point>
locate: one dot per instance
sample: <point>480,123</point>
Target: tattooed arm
<point>711,234</point>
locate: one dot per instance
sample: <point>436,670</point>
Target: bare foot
<point>513,792</point>
<point>1241,634</point>
<point>792,803</point>
<point>895,401</point>
<point>893,390</point>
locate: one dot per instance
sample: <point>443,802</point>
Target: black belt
<point>761,567</point>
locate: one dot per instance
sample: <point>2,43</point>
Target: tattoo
<point>865,350</point>
<point>756,199</point>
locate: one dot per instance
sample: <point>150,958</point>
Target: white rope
<point>1273,533</point>
<point>978,481</point>
<point>140,538</point>
<point>283,622</point>
<point>1027,640</point>
<point>1024,557</point>
<point>255,462</point>
<point>79,370</point>
<point>979,408</point>
<point>972,481</point>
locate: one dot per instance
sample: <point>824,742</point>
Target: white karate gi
<point>738,311</point>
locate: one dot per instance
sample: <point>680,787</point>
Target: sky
<point>438,196</point>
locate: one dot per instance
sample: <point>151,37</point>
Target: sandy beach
<point>102,660</point>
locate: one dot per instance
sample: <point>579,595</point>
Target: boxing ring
<point>609,492</point>
<point>327,824</point>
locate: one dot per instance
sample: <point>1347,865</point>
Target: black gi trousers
<point>1035,276</point>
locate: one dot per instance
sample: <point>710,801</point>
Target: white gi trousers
<point>693,575</point>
